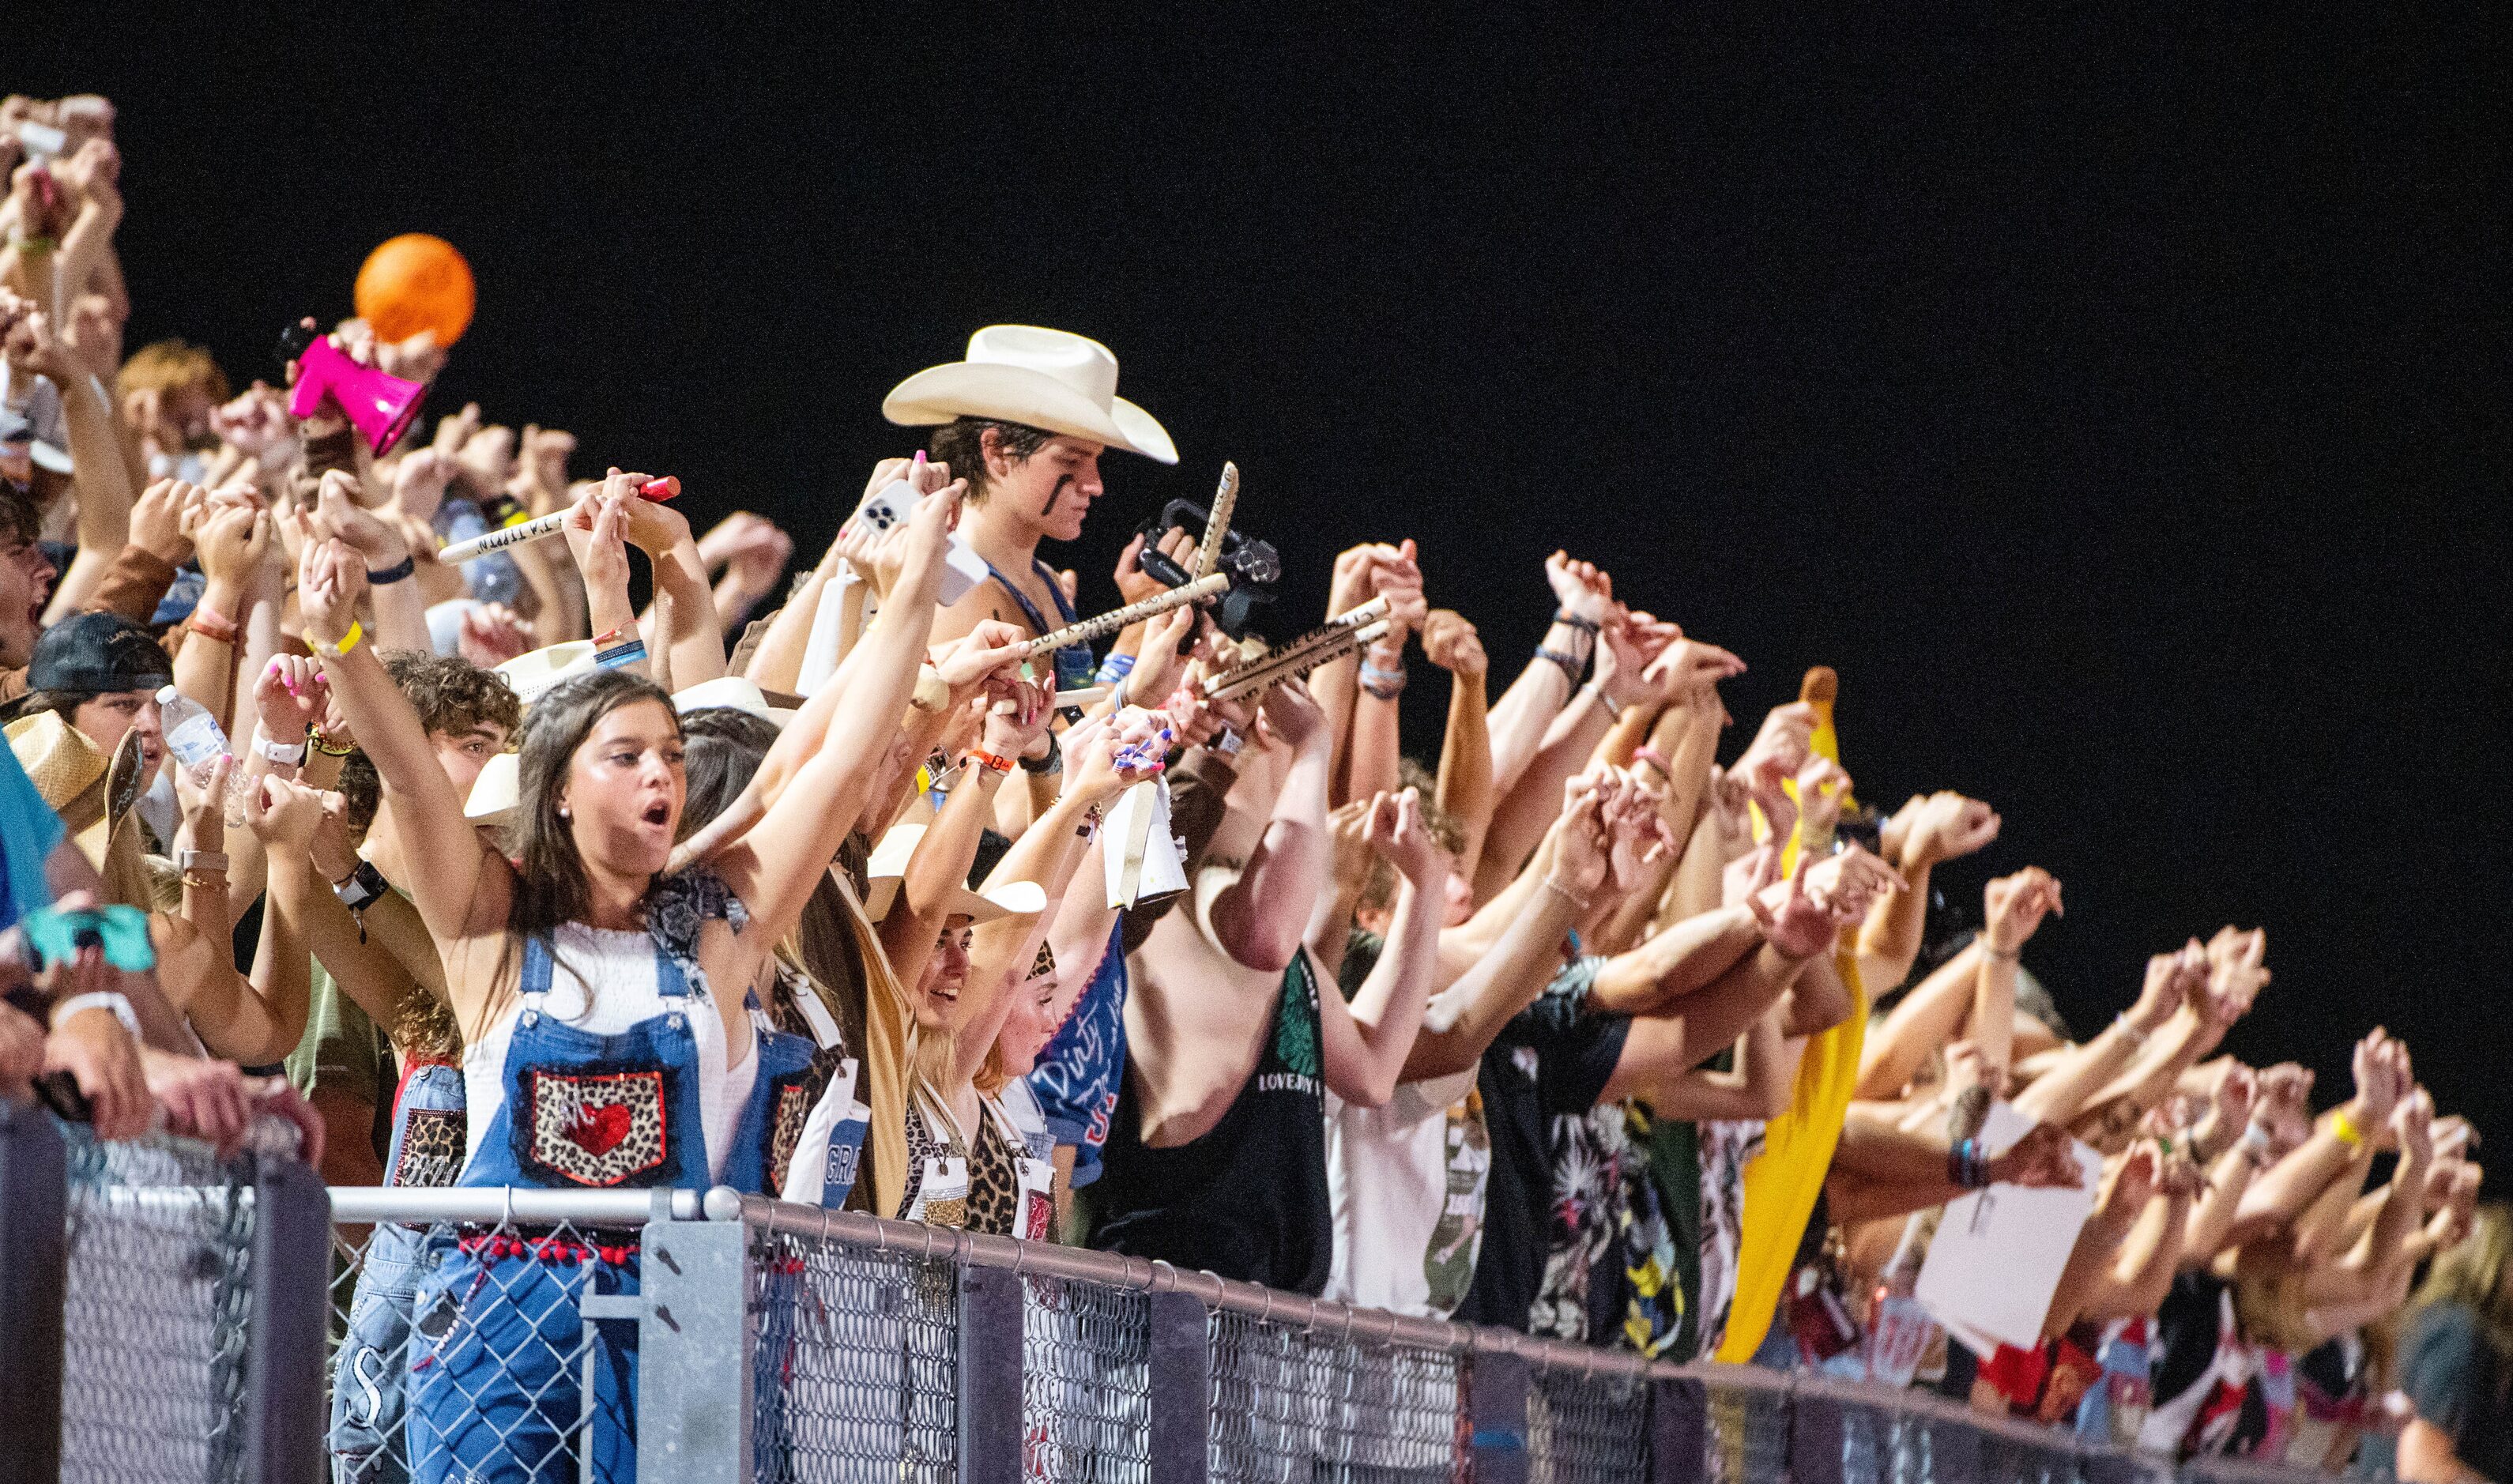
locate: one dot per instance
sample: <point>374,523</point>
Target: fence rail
<point>535,1335</point>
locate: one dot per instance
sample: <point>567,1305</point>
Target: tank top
<point>1249,1199</point>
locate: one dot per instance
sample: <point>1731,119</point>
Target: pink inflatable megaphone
<point>383,407</point>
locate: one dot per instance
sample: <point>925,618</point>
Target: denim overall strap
<point>1074,663</point>
<point>780,1101</point>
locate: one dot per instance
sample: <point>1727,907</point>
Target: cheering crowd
<point>842,891</point>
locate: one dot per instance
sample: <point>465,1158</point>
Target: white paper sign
<point>1160,872</point>
<point>1998,1255</point>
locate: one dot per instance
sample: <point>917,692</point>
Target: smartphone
<point>963,569</point>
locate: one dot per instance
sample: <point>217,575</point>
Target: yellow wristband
<point>348,641</point>
<point>2344,1128</point>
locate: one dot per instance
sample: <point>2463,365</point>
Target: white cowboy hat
<point>494,791</point>
<point>531,675</point>
<point>734,693</point>
<point>1045,378</point>
<point>889,866</point>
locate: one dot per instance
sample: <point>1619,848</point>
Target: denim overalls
<point>495,1372</point>
<point>367,1374</point>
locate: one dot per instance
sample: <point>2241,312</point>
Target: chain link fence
<point>565,1337</point>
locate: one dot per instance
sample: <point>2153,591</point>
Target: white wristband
<point>99,999</point>
<point>294,756</point>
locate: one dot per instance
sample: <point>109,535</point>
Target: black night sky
<point>2116,399</point>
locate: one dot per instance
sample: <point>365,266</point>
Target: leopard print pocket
<point>597,1128</point>
<point>431,1149</point>
<point>791,1101</point>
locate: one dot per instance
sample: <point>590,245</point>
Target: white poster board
<point>1999,1253</point>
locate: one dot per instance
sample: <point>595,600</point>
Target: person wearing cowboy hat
<point>1025,419</point>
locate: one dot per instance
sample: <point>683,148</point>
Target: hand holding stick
<point>1298,659</point>
<point>539,526</point>
<point>1213,585</point>
<point>1216,525</point>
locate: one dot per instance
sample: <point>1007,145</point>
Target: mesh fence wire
<point>462,1352</point>
<point>1745,1434</point>
<point>1584,1429</point>
<point>157,1310</point>
<point>857,1371</point>
<point>1086,1382</point>
<point>1289,1404</point>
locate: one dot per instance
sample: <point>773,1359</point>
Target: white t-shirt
<point>1407,1185</point>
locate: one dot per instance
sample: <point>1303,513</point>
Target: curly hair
<point>452,694</point>
<point>1379,890</point>
<point>961,443</point>
<point>171,364</point>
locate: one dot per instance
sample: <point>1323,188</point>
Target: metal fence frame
<point>63,1193</point>
<point>1147,1398</point>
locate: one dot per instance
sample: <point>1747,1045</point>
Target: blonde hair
<point>2479,1273</point>
<point>171,365</point>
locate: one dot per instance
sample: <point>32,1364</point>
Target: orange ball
<point>415,282</point>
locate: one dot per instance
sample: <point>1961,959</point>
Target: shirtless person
<point>1235,1031</point>
<point>1025,419</point>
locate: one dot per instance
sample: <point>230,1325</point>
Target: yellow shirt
<point>1782,1181</point>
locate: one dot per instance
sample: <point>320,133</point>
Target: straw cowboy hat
<point>889,867</point>
<point>1044,378</point>
<point>93,795</point>
<point>532,675</point>
<point>732,693</point>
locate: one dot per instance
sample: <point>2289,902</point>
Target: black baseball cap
<point>98,652</point>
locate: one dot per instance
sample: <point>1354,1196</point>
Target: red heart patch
<point>599,1130</point>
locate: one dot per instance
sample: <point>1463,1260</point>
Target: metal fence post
<point>292,1282</point>
<point>696,1336</point>
<point>1814,1437</point>
<point>35,1272</point>
<point>1678,1429</point>
<point>991,1422</point>
<point>1497,1392</point>
<point>1181,1389</point>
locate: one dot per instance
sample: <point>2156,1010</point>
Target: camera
<point>1252,566</point>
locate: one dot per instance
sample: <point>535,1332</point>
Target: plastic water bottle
<point>192,733</point>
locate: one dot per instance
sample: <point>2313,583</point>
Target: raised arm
<point>104,491</point>
<point>776,865</point>
<point>1260,918</point>
<point>1464,792</point>
<point>401,614</point>
<point>1509,974</point>
<point>1944,827</point>
<point>2060,1093</point>
<point>1362,1046</point>
<point>689,627</point>
<point>450,894</point>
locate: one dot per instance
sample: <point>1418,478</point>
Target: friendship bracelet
<point>387,576</point>
<point>1566,894</point>
<point>211,625</point>
<point>1114,668</point>
<point>1569,620</point>
<point>1656,759</point>
<point>1569,666</point>
<point>348,641</point>
<point>621,655</point>
<point>1387,685</point>
<point>610,636</point>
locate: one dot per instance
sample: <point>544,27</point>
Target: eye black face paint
<point>1054,495</point>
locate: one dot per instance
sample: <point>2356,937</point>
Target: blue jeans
<point>496,1370</point>
<point>367,1400</point>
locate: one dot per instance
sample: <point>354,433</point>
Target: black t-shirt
<point>1554,1056</point>
<point>1249,1198</point>
<point>2462,1386</point>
